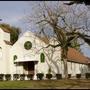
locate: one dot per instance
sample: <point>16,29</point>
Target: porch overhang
<point>27,59</point>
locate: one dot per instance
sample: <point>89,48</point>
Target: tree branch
<point>54,46</point>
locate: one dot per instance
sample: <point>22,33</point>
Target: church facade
<point>29,55</point>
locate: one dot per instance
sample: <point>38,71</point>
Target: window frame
<point>15,57</point>
<point>42,58</point>
<point>26,46</point>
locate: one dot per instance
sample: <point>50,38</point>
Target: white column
<point>35,70</point>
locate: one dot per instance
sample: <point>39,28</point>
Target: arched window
<point>42,57</point>
<point>14,57</point>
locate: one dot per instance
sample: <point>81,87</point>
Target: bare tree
<point>61,22</point>
<point>78,2</point>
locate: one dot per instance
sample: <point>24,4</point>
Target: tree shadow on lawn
<point>79,84</point>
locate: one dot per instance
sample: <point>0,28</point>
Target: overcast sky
<point>12,12</point>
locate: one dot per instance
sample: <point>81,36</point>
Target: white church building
<point>25,56</point>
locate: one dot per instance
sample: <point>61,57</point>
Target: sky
<point>13,12</point>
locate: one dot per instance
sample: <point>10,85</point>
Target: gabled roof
<point>44,39</point>
<point>5,30</point>
<point>8,43</point>
<point>88,59</point>
<point>76,56</point>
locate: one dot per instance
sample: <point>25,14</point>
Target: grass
<point>46,84</point>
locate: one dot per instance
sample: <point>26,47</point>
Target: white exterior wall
<point>7,58</point>
<point>15,51</point>
<point>73,69</point>
<point>4,35</point>
<point>19,50</point>
<point>54,60</point>
<point>4,60</point>
<point>34,54</point>
<point>69,67</point>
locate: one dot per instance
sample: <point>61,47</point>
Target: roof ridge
<point>5,30</point>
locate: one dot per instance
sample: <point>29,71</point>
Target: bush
<point>78,76</point>
<point>1,77</point>
<point>40,76</point>
<point>59,76</point>
<point>22,76</point>
<point>48,76</point>
<point>87,75</point>
<point>69,75</point>
<point>30,76</point>
<point>8,77</point>
<point>15,76</point>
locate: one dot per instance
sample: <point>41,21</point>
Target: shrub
<point>1,77</point>
<point>48,76</point>
<point>40,76</point>
<point>69,75</point>
<point>78,76</point>
<point>59,76</point>
<point>22,76</point>
<point>30,76</point>
<point>8,77</point>
<point>87,75</point>
<point>15,76</point>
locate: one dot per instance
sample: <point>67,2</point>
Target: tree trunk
<point>65,68</point>
<point>64,58</point>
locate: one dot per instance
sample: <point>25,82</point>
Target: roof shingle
<point>76,56</point>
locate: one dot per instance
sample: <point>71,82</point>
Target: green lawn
<point>46,84</point>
